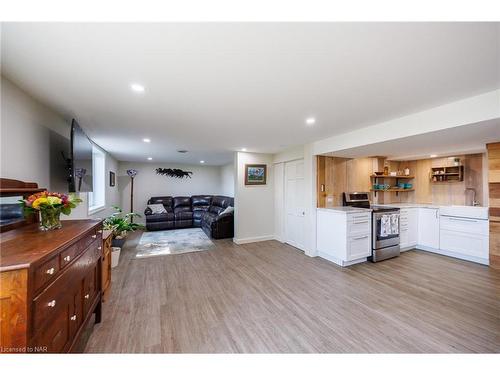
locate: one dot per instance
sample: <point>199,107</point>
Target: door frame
<point>285,208</point>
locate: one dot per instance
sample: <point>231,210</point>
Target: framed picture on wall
<point>112,178</point>
<point>255,174</point>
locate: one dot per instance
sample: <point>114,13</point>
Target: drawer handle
<point>67,258</point>
<point>52,303</point>
<point>361,222</point>
<point>73,317</point>
<point>94,236</point>
<point>99,231</point>
<point>87,296</point>
<point>360,238</point>
<point>50,271</point>
<point>466,220</point>
<point>99,248</point>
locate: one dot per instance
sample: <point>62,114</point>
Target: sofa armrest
<point>148,211</point>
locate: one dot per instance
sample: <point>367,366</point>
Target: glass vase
<point>50,218</point>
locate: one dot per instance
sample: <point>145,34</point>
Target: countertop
<point>345,209</point>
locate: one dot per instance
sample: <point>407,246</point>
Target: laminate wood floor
<point>269,297</point>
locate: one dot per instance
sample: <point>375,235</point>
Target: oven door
<point>380,241</point>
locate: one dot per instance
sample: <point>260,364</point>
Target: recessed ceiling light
<point>202,161</point>
<point>147,140</point>
<point>310,121</point>
<point>150,158</point>
<point>136,87</point>
<point>243,149</point>
<point>433,156</point>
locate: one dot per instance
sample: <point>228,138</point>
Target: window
<point>97,198</point>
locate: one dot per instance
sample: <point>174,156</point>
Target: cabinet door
<point>90,287</point>
<point>76,309</point>
<point>428,227</point>
<point>54,337</point>
<point>412,226</point>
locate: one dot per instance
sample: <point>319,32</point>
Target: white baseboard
<point>241,241</point>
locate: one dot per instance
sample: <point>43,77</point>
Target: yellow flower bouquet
<point>50,206</point>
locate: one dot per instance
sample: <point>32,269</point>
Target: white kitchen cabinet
<point>408,228</point>
<point>428,228</point>
<point>344,235</point>
<point>465,238</point>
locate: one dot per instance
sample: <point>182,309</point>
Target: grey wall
<point>205,180</point>
<point>25,128</point>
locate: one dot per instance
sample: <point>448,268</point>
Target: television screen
<point>60,162</point>
<point>81,155</point>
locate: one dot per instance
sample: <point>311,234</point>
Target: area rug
<point>168,242</point>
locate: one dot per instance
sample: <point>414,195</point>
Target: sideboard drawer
<point>68,255</point>
<point>90,237</point>
<point>46,272</point>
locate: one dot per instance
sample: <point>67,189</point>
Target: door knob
<point>52,303</point>
<point>87,296</point>
<point>73,317</point>
<point>50,271</point>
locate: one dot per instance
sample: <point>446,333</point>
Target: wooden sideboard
<point>50,286</point>
<point>107,237</point>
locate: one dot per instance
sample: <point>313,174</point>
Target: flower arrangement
<point>50,206</point>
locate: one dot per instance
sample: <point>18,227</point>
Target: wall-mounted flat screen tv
<point>81,160</point>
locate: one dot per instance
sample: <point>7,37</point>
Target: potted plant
<point>121,224</point>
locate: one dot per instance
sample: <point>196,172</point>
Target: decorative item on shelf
<point>379,173</point>
<point>393,174</point>
<point>407,171</point>
<point>121,225</point>
<point>456,162</point>
<point>50,206</point>
<point>132,173</point>
<point>255,174</point>
<point>176,173</point>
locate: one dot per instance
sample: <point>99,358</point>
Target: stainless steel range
<point>385,225</point>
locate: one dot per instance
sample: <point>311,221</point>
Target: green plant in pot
<point>121,224</point>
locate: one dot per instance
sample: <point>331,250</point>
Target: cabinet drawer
<point>94,235</point>
<point>475,245</point>
<point>358,247</point>
<point>465,225</point>
<point>358,227</point>
<point>68,255</point>
<point>46,272</point>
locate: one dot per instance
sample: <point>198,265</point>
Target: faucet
<point>474,202</point>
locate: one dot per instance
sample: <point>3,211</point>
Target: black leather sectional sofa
<point>197,211</point>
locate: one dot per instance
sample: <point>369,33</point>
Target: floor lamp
<point>132,173</point>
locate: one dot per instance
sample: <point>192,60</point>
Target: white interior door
<point>294,203</point>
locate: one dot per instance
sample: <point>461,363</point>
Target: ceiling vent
<point>182,151</point>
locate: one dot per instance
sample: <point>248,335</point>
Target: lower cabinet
<point>344,237</point>
<point>408,228</point>
<point>428,228</point>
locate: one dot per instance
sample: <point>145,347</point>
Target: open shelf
<point>446,174</point>
<point>388,176</point>
<point>391,190</point>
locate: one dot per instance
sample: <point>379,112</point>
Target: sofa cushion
<point>201,201</point>
<point>168,216</point>
<point>184,215</point>
<point>166,201</point>
<point>182,202</point>
<point>208,218</point>
<point>157,208</point>
<point>227,210</point>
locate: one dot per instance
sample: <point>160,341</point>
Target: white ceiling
<point>466,139</point>
<point>213,88</point>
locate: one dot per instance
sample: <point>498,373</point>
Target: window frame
<point>98,178</point>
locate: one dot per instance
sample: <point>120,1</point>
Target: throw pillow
<point>157,208</point>
<point>228,210</point>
